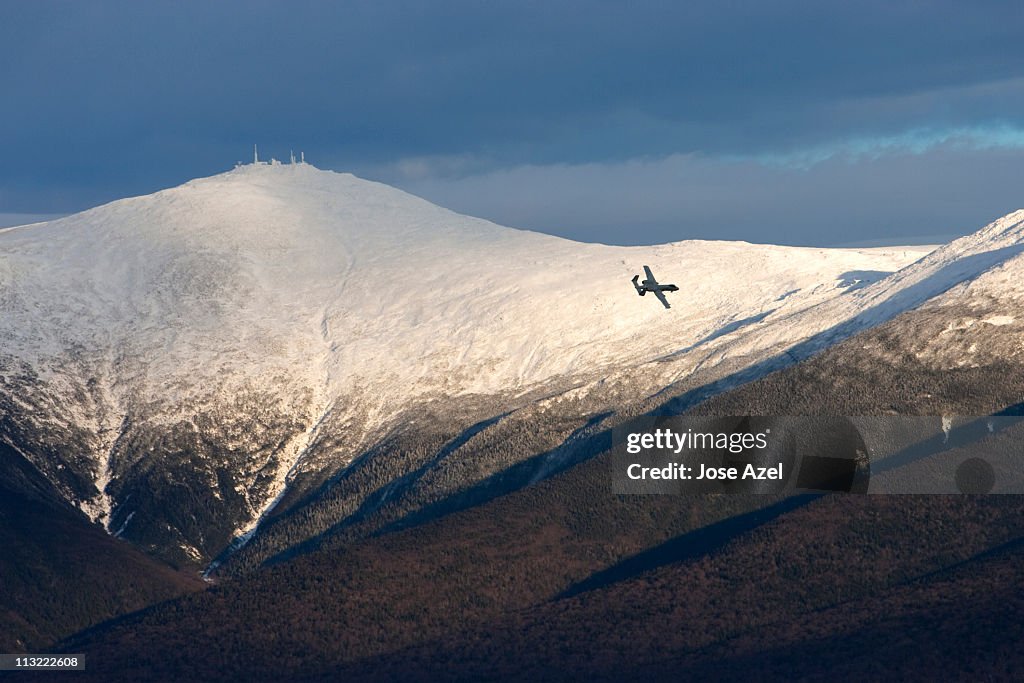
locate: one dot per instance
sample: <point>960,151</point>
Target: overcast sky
<point>790,122</point>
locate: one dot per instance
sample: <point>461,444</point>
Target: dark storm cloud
<point>105,99</point>
<point>899,198</point>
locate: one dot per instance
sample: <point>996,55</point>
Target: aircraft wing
<point>661,297</point>
<point>650,275</point>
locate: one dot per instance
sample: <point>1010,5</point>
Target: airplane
<point>651,285</point>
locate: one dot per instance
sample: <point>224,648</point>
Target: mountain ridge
<point>242,339</point>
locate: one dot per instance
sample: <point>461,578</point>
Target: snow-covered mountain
<point>176,364</point>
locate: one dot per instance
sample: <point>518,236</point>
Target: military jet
<point>651,285</point>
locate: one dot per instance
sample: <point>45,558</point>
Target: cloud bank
<point>760,106</point>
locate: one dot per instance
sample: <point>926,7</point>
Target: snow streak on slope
<point>994,248</point>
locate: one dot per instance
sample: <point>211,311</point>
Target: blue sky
<point>789,122</point>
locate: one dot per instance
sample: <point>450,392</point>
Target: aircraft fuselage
<point>654,287</point>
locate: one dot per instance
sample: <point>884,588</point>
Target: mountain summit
<point>176,365</point>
